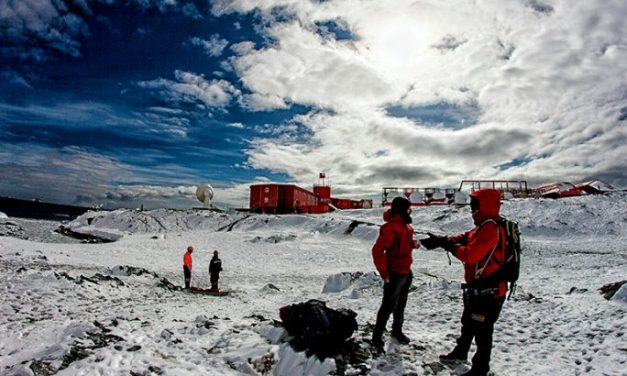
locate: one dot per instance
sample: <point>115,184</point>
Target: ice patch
<point>370,279</point>
<point>274,334</point>
<point>621,294</point>
<point>297,363</point>
<point>240,359</point>
<point>343,281</point>
<point>337,282</point>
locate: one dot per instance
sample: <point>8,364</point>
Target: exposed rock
<point>610,289</point>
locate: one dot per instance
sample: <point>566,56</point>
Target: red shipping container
<point>263,197</point>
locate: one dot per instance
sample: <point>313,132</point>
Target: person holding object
<point>187,266</point>
<point>392,255</point>
<point>215,267</point>
<point>482,251</point>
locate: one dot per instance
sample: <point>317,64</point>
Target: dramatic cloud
<point>547,79</point>
<point>36,29</point>
<point>37,171</point>
<point>302,67</point>
<point>90,115</point>
<point>95,179</point>
<point>374,93</point>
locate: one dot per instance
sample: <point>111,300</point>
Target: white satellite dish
<point>204,193</point>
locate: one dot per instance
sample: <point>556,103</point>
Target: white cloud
<point>191,87</point>
<point>242,48</point>
<point>547,78</point>
<point>302,67</point>
<point>212,47</point>
<point>150,192</point>
<point>260,102</point>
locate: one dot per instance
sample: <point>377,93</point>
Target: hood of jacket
<point>389,217</point>
<point>489,204</point>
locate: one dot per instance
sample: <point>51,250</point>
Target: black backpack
<point>510,269</point>
<point>317,328</point>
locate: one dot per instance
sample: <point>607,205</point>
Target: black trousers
<point>480,314</point>
<point>394,301</point>
<point>214,277</point>
<point>188,277</point>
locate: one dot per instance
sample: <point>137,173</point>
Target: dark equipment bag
<point>316,328</point>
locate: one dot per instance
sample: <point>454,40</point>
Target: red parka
<point>392,252</point>
<point>187,260</point>
<point>483,247</point>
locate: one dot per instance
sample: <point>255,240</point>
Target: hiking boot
<point>401,338</point>
<point>377,343</point>
<point>454,357</point>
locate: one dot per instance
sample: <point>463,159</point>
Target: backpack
<point>510,268</point>
<point>317,328</point>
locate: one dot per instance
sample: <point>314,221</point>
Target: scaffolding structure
<point>419,196</point>
<point>518,188</point>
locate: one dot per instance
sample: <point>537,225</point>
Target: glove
<point>449,246</point>
<point>434,241</point>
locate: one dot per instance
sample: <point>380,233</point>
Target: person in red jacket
<point>187,266</point>
<point>482,251</point>
<point>392,255</point>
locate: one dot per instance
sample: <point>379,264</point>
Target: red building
<point>558,190</point>
<point>345,203</point>
<point>289,198</point>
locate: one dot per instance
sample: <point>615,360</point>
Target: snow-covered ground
<point>77,309</point>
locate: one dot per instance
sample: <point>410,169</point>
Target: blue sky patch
<point>335,29</point>
<point>516,162</point>
<point>447,115</point>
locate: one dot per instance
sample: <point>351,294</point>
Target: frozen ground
<point>75,309</point>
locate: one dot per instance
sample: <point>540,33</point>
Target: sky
<point>131,102</point>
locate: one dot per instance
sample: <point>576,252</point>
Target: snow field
<point>91,318</point>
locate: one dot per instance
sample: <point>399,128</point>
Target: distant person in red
<point>187,266</point>
<point>215,267</point>
<point>392,255</point>
<point>482,251</point>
